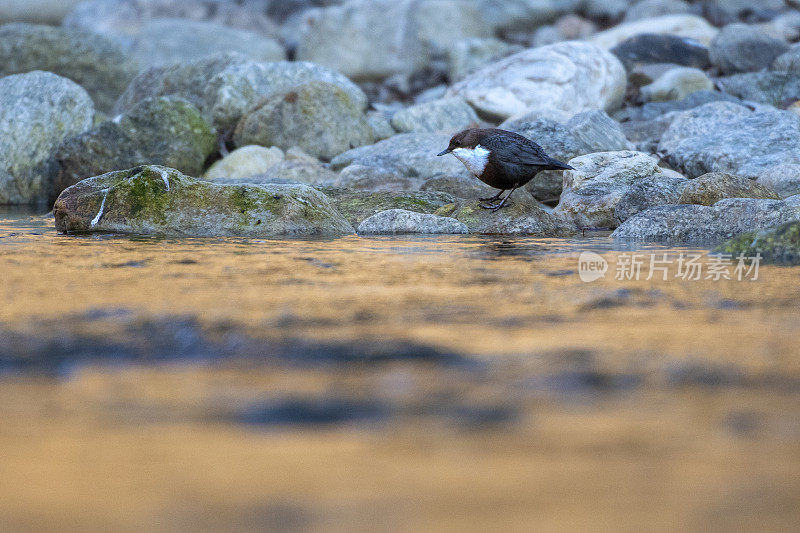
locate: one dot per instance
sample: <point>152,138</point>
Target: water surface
<point>390,383</point>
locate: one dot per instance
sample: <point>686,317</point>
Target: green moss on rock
<point>778,245</point>
<point>159,200</point>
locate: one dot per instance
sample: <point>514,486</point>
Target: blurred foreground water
<point>442,383</point>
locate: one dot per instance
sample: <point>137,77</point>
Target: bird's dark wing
<point>520,150</point>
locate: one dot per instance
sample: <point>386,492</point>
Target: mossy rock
<point>357,205</point>
<point>162,201</point>
<point>710,188</point>
<point>777,245</point>
<point>166,131</point>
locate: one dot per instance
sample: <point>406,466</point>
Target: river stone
<point>442,23</point>
<point>123,20</point>
<point>318,117</point>
<point>726,137</point>
<point>95,63</point>
<point>40,11</point>
<point>38,111</point>
<point>363,178</point>
<point>407,154</point>
<point>677,84</point>
<point>776,89</point>
<point>168,41</point>
<point>788,61</point>
<point>459,186</point>
<point>160,200</point>
<point>449,115</point>
<point>744,48</point>
<point>644,126</point>
<point>245,161</point>
<point>356,206</point>
<point>710,188</point>
<point>602,181</point>
<point>775,245</point>
<point>520,216</point>
<point>302,171</point>
<point>656,8</point>
<point>224,86</point>
<point>364,39</point>
<point>691,26</point>
<point>652,48</point>
<point>570,77</point>
<point>783,179</point>
<point>401,221</point>
<point>164,131</point>
<point>522,15</point>
<point>688,223</point>
<point>468,55</point>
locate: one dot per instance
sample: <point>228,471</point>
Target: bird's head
<point>467,139</point>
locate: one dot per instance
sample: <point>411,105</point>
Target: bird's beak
<point>443,153</point>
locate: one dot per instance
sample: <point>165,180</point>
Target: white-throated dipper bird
<point>501,159</point>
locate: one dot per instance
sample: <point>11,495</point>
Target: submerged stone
<point>159,200</point>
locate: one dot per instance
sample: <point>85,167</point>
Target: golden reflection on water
<point>154,447</point>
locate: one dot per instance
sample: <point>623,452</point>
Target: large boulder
<point>167,41</point>
<point>606,188</point>
<point>690,26</point>
<point>727,137</point>
<point>364,39</point>
<point>224,86</point>
<point>710,188</point>
<point>403,222</point>
<point>777,245</point>
<point>449,115</point>
<point>744,48</point>
<point>521,216</point>
<point>159,200</point>
<point>356,206</point>
<point>409,154</point>
<point>698,224</point>
<point>97,64</point>
<point>38,111</point>
<point>123,20</point>
<point>318,117</point>
<point>165,131</point>
<point>569,77</point>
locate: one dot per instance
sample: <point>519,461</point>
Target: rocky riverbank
<point>669,111</point>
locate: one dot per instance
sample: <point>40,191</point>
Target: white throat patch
<point>474,159</point>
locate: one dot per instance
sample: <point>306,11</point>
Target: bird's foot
<point>492,198</point>
<point>494,207</point>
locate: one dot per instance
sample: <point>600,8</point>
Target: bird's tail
<point>555,164</point>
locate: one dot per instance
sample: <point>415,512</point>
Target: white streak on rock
<point>165,177</point>
<point>97,218</point>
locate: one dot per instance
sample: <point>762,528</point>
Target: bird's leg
<point>501,204</point>
<point>495,197</point>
